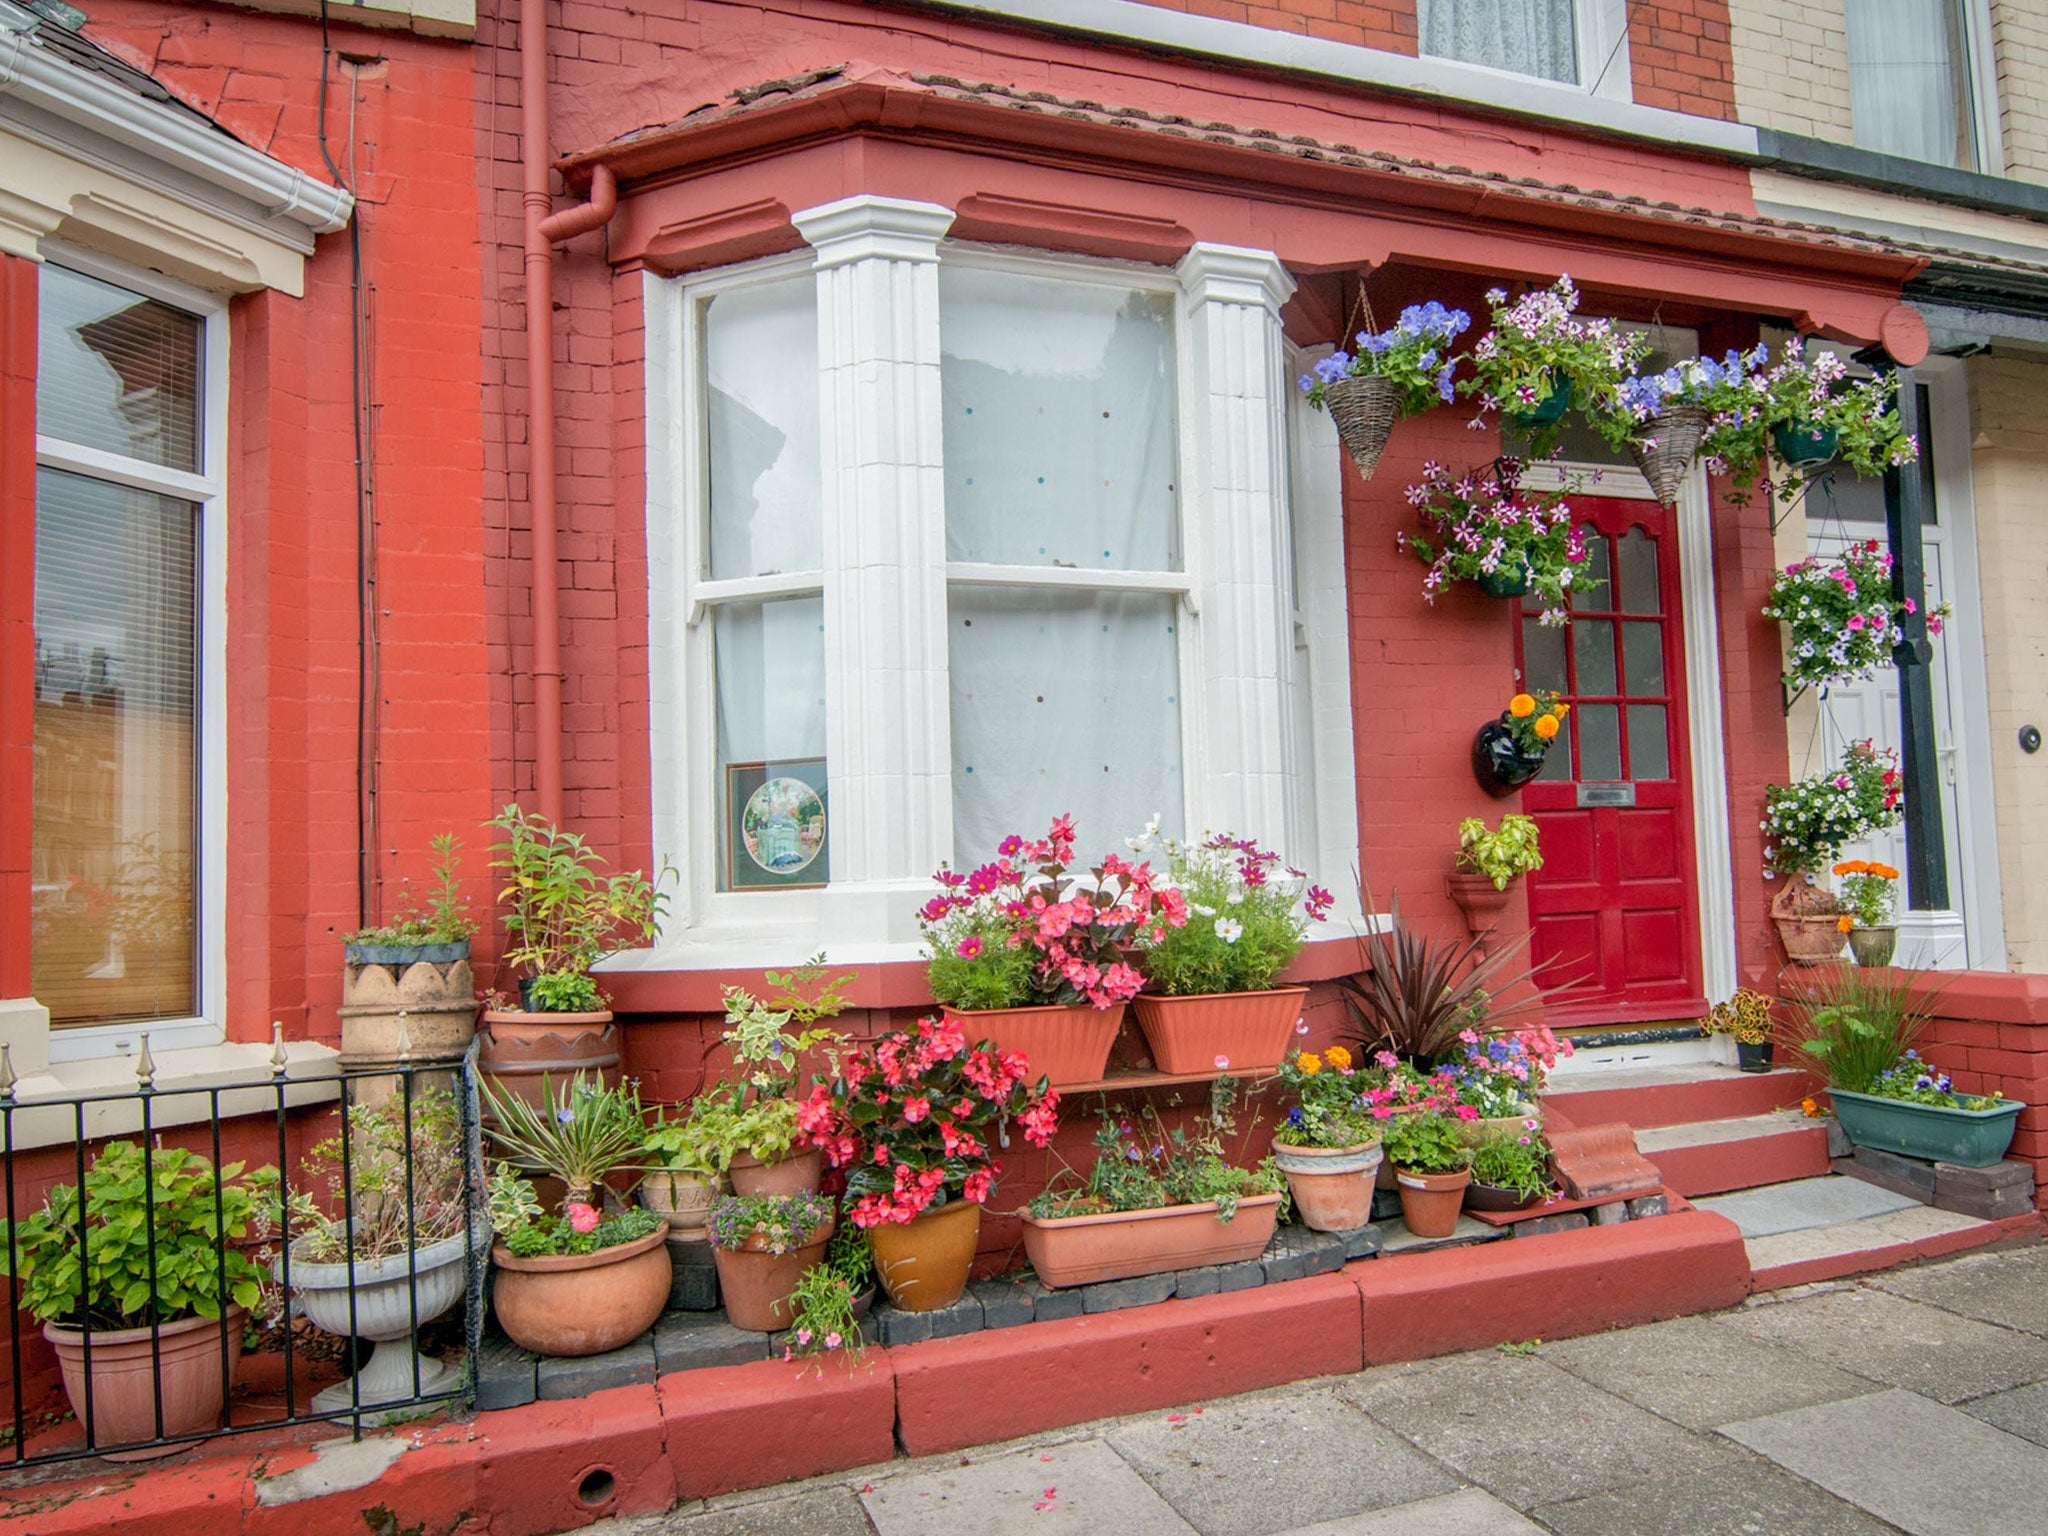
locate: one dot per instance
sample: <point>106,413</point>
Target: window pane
<point>1636,553</point>
<point>771,743</point>
<point>116,371</point>
<point>1599,741</point>
<point>1593,657</point>
<point>1649,746</point>
<point>1059,410</point>
<point>1908,81</point>
<point>1530,37</point>
<point>761,377</point>
<point>1063,702</point>
<point>1543,657</point>
<point>1642,646</point>
<point>1595,589</point>
<point>114,878</point>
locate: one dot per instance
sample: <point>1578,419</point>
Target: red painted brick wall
<point>1990,1033</point>
<point>1389,26</point>
<point>1679,56</point>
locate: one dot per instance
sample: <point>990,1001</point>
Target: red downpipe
<point>543,229</point>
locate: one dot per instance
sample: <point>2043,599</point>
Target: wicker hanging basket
<point>1365,410</point>
<point>1666,450</point>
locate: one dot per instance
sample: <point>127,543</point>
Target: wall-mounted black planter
<point>1502,766</point>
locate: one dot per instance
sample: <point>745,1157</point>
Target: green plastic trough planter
<point>1975,1138</point>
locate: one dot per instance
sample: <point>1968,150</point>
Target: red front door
<point>1615,908</point>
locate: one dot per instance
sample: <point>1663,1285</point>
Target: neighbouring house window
<point>1909,80</point>
<point>120,504</point>
<point>1524,37</point>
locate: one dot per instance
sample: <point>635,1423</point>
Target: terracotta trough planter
<point>1237,1032</point>
<point>1080,1250</point>
<point>1067,1044</point>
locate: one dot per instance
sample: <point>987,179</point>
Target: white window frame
<point>1603,67</point>
<point>874,921</point>
<point>208,489</point>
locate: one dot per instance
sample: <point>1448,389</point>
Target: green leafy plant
<point>1426,1142</point>
<point>565,992</point>
<point>580,1229</point>
<point>1514,1161</point>
<point>148,1246</point>
<point>563,914</point>
<point>1745,1018</point>
<point>1857,1025</point>
<point>1141,1165</point>
<point>1414,993</point>
<point>445,918</point>
<point>1808,822</point>
<point>759,1114</point>
<point>1868,890</point>
<point>580,1134</point>
<point>1913,1081</point>
<point>407,1193</point>
<point>1537,346</point>
<point>1247,916</point>
<point>821,1317</point>
<point>1500,855</point>
<point>780,1223</point>
<point>683,1146</point>
<point>1329,1107</point>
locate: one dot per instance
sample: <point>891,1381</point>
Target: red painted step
<point>1650,1096</point>
<point>1712,1157</point>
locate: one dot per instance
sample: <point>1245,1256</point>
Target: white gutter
<point>169,137</point>
<point>1445,80</point>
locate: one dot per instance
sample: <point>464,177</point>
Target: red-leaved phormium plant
<point>908,1119</point>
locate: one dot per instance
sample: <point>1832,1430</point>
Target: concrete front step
<point>1653,1096</point>
<point>1711,1157</point>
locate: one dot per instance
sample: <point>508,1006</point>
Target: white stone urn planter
<point>385,1313</point>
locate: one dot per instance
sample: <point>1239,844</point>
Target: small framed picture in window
<point>775,825</point>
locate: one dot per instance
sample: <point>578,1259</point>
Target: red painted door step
<point>1647,1096</point>
<point>1712,1157</point>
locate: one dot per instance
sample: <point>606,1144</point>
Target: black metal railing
<point>376,1127</point>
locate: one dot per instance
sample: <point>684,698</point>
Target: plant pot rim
<point>1464,1173</point>
<point>1104,1218</point>
<point>531,1017</point>
<point>744,1158</point>
<point>1502,1189</point>
<point>1301,1149</point>
<point>333,1275</point>
<point>1206,997</point>
<point>2004,1106</point>
<point>441,952</point>
<point>982,1013</point>
<point>65,1336</point>
<point>568,1263</point>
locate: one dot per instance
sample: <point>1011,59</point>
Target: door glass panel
<point>1590,590</point>
<point>1543,657</point>
<point>1593,657</point>
<point>1649,746</point>
<point>1600,740</point>
<point>1636,554</point>
<point>1557,763</point>
<point>1642,648</point>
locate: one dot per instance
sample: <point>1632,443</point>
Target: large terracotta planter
<point>582,1304</point>
<point>1430,1201</point>
<point>187,1362</point>
<point>519,1051</point>
<point>756,1285</point>
<point>415,1002</point>
<point>800,1173</point>
<point>680,1199</point>
<point>923,1264</point>
<point>1080,1250</point>
<point>1069,1044</point>
<point>1332,1186</point>
<point>1808,921</point>
<point>1238,1032</point>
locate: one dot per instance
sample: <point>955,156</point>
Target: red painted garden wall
<point>1990,1033</point>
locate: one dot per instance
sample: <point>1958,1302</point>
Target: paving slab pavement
<point>1815,1202</point>
<point>1742,1498</point>
<point>2006,1288</point>
<point>1468,1513</point>
<point>1070,1490</point>
<point>2023,1411</point>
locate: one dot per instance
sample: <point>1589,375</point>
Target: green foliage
<point>155,1249</point>
<point>556,1236</point>
<point>1914,1081</point>
<point>1538,345</point>
<point>1501,855</point>
<point>782,1223</point>
<point>580,1134</point>
<point>445,919</point>
<point>821,1315</point>
<point>992,974</point>
<point>849,1256</point>
<point>684,1146</point>
<point>563,913</point>
<point>1516,1162</point>
<point>1140,1165</point>
<point>723,1124</point>
<point>1744,1018</point>
<point>764,1047</point>
<point>1329,1110</point>
<point>1243,926</point>
<point>381,1182</point>
<point>1426,1142</point>
<point>1858,1025</point>
<point>565,992</point>
<point>1808,822</point>
<point>513,1203</point>
<point>1414,993</point>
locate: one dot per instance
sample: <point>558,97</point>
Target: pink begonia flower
<point>582,1218</point>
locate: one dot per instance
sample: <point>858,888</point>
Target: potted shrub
<point>1395,373</point>
<point>1216,1007</point>
<point>1037,960</point>
<point>1912,1108</point>
<point>1490,860</point>
<point>1329,1144</point>
<point>1746,1019</point>
<point>1868,888</point>
<point>587,1279</point>
<point>562,916</point>
<point>909,1119</point>
<point>1155,1200</point>
<point>1510,1170</point>
<point>1840,615</point>
<point>1806,825</point>
<point>1432,1165</point>
<point>1495,1084</point>
<point>763,1245</point>
<point>1817,413</point>
<point>752,1128</point>
<point>1483,527</point>
<point>1540,357</point>
<point>411,975</point>
<point>140,1269</point>
<point>399,1239</point>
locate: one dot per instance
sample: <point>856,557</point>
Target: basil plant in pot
<point>143,1287</point>
<point>407,992</point>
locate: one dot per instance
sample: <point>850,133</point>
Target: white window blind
<point>1909,84</point>
<point>1527,37</point>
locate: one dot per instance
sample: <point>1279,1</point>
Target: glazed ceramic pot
<point>1069,1044</point>
<point>757,1285</point>
<point>582,1303</point>
<point>1237,1032</point>
<point>1501,765</point>
<point>1506,581</point>
<point>1804,444</point>
<point>126,1370</point>
<point>1430,1201</point>
<point>1754,1058</point>
<point>923,1263</point>
<point>1973,1138</point>
<point>1557,399</point>
<point>799,1173</point>
<point>1875,945</point>
<point>1332,1186</point>
<point>1115,1245</point>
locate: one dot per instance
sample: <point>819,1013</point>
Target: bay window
<point>945,540</point>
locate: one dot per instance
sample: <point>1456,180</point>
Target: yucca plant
<point>1857,1024</point>
<point>580,1136</point>
<point>1414,992</point>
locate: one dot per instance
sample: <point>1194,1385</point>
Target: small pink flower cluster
<point>1407,1089</point>
<point>1255,866</point>
<point>1483,522</point>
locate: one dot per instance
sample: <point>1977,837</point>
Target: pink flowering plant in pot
<point>1501,1075</point>
<point>1841,615</point>
<point>1483,527</point>
<point>1539,350</point>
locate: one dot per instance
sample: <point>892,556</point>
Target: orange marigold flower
<point>1546,727</point>
<point>1521,706</point>
<point>1845,922</point>
<point>1337,1057</point>
<point>1560,710</point>
<point>1853,867</point>
<point>1810,1106</point>
<point>1310,1064</point>
<point>1884,871</point>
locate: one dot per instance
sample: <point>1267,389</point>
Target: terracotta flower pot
<point>123,1395</point>
<point>1080,1250</point>
<point>1332,1186</point>
<point>1237,1032</point>
<point>1069,1044</point>
<point>1430,1201</point>
<point>756,1284</point>
<point>800,1173</point>
<point>519,1051</point>
<point>1808,921</point>
<point>1483,905</point>
<point>923,1264</point>
<point>1473,1132</point>
<point>585,1303</point>
<point>681,1199</point>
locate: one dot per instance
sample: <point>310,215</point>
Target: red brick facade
<point>1679,56</point>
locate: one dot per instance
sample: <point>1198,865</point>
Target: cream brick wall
<point>1792,66</point>
<point>2019,33</point>
<point>2009,459</point>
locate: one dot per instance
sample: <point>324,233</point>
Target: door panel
<point>1614,911</point>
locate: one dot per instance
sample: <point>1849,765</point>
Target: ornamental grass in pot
<point>909,1117</point>
<point>147,1276</point>
<point>588,1278</point>
<point>1155,1200</point>
<point>1328,1146</point>
<point>1213,1005</point>
<point>1028,954</point>
<point>1432,1166</point>
<point>763,1244</point>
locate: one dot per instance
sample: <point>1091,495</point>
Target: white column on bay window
<point>1239,541</point>
<point>889,760</point>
